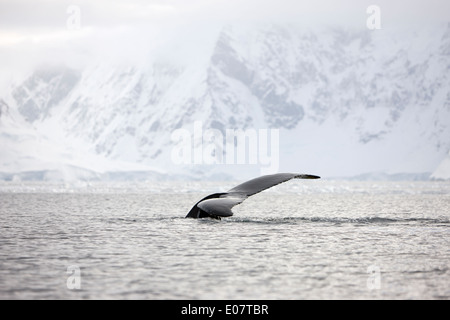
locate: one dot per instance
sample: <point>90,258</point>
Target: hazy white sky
<point>32,28</point>
<point>35,16</point>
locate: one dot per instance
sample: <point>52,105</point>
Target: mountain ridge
<point>343,104</point>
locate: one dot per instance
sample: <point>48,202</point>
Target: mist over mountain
<point>346,102</point>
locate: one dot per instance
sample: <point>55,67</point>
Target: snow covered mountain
<point>345,102</point>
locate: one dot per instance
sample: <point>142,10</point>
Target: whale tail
<point>197,212</point>
<point>219,205</point>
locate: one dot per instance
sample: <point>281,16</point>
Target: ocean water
<point>313,239</point>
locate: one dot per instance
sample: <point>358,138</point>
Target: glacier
<point>442,172</point>
<point>347,102</point>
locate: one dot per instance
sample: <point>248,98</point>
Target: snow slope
<point>442,172</point>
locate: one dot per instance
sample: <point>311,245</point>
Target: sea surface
<point>314,239</point>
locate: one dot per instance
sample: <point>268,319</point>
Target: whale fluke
<point>219,205</point>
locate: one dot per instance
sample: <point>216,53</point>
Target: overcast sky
<point>32,28</point>
<point>39,16</point>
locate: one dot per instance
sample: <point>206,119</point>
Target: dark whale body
<point>219,205</point>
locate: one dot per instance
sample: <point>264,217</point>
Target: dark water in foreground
<point>300,240</point>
